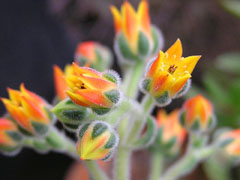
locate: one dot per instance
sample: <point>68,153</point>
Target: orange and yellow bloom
<point>197,114</point>
<point>135,36</point>
<point>232,138</point>
<point>10,137</point>
<point>170,129</point>
<point>90,88</point>
<point>167,76</point>
<point>94,55</point>
<point>60,80</point>
<point>97,141</point>
<point>29,110</point>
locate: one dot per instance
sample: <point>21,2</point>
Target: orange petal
<point>86,49</point>
<point>161,83</point>
<point>14,95</point>
<point>178,84</point>
<point>94,97</point>
<point>78,99</point>
<point>117,19</point>
<point>188,64</point>
<point>175,49</point>
<point>143,17</point>
<point>86,71</point>
<point>60,82</point>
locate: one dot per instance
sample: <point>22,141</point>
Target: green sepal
<point>171,142</point>
<point>155,40</point>
<point>54,140</point>
<point>163,100</point>
<point>39,128</point>
<point>100,110</point>
<point>82,61</point>
<point>182,118</point>
<point>113,95</point>
<point>124,48</point>
<point>111,142</point>
<point>196,125</point>
<point>70,127</point>
<point>9,149</point>
<point>24,131</point>
<point>83,130</point>
<point>148,138</point>
<point>68,112</point>
<point>225,142</point>
<point>184,89</point>
<point>40,145</point>
<point>143,44</point>
<point>146,85</point>
<point>109,76</point>
<point>98,129</point>
<point>15,136</point>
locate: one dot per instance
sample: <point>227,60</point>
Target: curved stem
<point>156,165</point>
<point>95,170</point>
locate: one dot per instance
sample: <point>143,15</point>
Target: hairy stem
<point>156,165</point>
<point>95,170</point>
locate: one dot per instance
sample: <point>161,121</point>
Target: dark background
<point>35,34</point>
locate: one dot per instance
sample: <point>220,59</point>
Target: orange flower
<point>29,110</point>
<point>94,55</point>
<point>10,137</point>
<point>134,29</point>
<point>90,88</point>
<point>60,81</point>
<point>167,76</point>
<point>171,130</point>
<point>233,139</point>
<point>197,113</point>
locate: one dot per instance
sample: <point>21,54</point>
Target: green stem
<point>132,78</point>
<point>95,171</point>
<point>156,165</point>
<point>187,163</point>
<point>122,164</point>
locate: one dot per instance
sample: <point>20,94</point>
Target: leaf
<point>229,62</point>
<point>231,6</point>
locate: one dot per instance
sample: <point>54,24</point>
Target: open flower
<point>197,114</point>
<point>97,140</point>
<point>231,141</point>
<point>167,76</point>
<point>90,88</point>
<point>60,80</point>
<point>29,110</point>
<point>10,137</point>
<point>172,134</point>
<point>135,36</point>
<point>94,55</point>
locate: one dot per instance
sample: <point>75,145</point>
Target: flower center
<point>172,69</point>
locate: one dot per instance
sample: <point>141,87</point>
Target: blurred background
<point>34,35</point>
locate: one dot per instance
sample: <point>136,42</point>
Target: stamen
<point>172,69</point>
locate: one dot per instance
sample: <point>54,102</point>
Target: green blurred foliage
<point>231,6</point>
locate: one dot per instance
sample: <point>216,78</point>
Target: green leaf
<point>229,62</point>
<point>231,6</point>
<point>143,44</point>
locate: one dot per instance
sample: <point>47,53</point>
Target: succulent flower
<point>168,75</point>
<point>60,80</point>
<point>135,37</point>
<point>97,140</point>
<point>10,137</point>
<point>94,55</point>
<point>92,89</point>
<point>197,114</point>
<point>29,111</point>
<point>171,135</point>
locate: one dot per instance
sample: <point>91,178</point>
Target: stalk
<point>156,165</point>
<point>95,171</point>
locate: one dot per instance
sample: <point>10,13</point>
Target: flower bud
<point>171,135</point>
<point>230,142</point>
<point>135,37</point>
<point>197,114</point>
<point>70,114</point>
<point>97,140</point>
<point>29,111</point>
<point>168,75</point>
<point>92,89</point>
<point>10,137</point>
<point>60,81</point>
<point>94,55</point>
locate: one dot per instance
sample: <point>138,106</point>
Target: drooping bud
<point>70,114</point>
<point>135,38</point>
<point>171,135</point>
<point>94,55</point>
<point>30,111</point>
<point>60,81</point>
<point>97,140</point>
<point>197,114</point>
<point>92,89</point>
<point>168,75</point>
<point>10,137</point>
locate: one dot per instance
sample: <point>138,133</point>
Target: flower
<point>135,35</point>
<point>97,140</point>
<point>94,55</point>
<point>29,110</point>
<point>92,89</point>
<point>167,76</point>
<point>10,137</point>
<point>231,141</point>
<point>60,80</point>
<point>197,114</point>
<point>172,133</point>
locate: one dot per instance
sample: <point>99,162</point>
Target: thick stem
<point>122,164</point>
<point>95,170</point>
<point>156,165</point>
